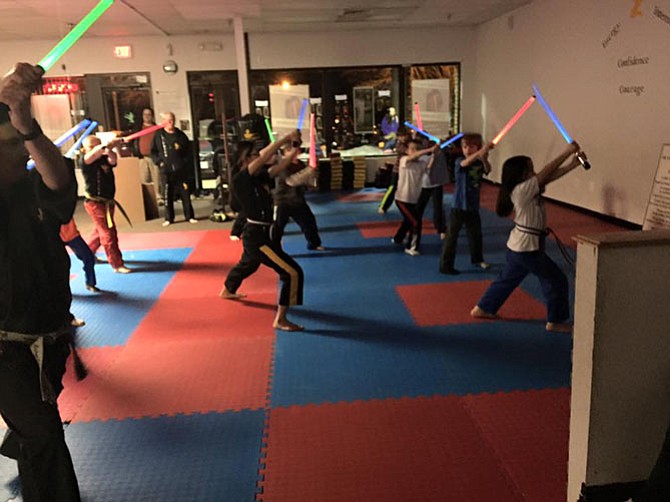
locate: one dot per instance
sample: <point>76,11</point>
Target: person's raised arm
<point>421,153</point>
<point>266,153</point>
<point>548,171</point>
<point>481,154</point>
<point>283,163</point>
<point>16,88</point>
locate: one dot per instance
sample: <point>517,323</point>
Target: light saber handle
<point>63,138</point>
<point>303,112</point>
<point>451,140</point>
<point>417,114</point>
<point>75,34</point>
<point>515,118</point>
<point>552,115</point>
<point>422,132</point>
<point>581,157</point>
<point>73,149</point>
<point>269,128</point>
<point>144,132</point>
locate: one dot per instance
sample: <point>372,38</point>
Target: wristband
<point>34,133</point>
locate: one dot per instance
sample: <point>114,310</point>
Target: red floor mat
<point>529,433</point>
<point>162,240</point>
<point>361,197</point>
<point>199,376</point>
<point>450,303</point>
<point>190,306</point>
<point>387,228</point>
<point>97,361</point>
<point>391,450</point>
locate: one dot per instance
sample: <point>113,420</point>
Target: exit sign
<point>123,51</point>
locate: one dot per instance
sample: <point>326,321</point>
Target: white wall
<point>561,45</point>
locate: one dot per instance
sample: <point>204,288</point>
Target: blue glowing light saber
<point>63,138</point>
<point>452,140</point>
<point>422,132</point>
<point>303,112</point>
<point>73,149</point>
<point>580,156</point>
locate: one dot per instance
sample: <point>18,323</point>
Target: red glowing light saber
<point>514,119</point>
<point>312,142</point>
<point>144,132</point>
<point>417,113</point>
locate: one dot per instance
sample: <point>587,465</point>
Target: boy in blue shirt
<point>469,170</point>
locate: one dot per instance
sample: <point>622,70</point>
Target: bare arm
<point>547,173</point>
<point>99,150</point>
<point>481,154</point>
<point>285,161</point>
<point>563,170</point>
<point>15,90</point>
<point>421,153</point>
<point>267,152</point>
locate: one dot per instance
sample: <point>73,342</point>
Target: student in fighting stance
<point>252,188</point>
<point>520,192</point>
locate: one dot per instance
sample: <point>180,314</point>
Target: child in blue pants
<point>69,234</point>
<point>520,193</point>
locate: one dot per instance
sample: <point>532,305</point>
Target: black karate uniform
<point>253,193</point>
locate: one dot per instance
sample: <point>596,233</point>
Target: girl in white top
<point>410,175</point>
<point>520,193</point>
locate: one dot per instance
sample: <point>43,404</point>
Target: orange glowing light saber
<point>312,142</point>
<point>514,119</point>
<point>417,113</point>
<point>144,132</point>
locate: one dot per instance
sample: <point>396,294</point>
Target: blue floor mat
<point>207,458</point>
<point>112,316</point>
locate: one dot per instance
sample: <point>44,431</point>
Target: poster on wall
<point>364,110</point>
<point>433,97</point>
<point>658,207</point>
<point>285,106</point>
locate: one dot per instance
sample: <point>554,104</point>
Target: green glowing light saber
<point>269,128</point>
<point>75,34</point>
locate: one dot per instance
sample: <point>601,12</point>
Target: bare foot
<point>286,325</point>
<point>559,327</point>
<point>227,295</point>
<point>478,313</point>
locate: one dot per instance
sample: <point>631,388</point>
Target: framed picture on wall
<point>364,110</point>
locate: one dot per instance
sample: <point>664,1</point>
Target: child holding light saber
<point>468,171</point>
<point>520,194</point>
<point>289,197</point>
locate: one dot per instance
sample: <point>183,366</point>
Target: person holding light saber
<point>581,156</point>
<point>35,302</point>
<point>520,194</point>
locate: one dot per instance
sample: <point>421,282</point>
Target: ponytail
<point>513,173</point>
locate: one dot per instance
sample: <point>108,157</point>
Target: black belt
<point>36,344</point>
<point>543,233</point>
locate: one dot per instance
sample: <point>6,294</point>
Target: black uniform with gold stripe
<point>253,193</point>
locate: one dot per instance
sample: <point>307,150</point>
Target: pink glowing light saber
<point>312,142</point>
<point>417,113</point>
<point>514,119</point>
<point>144,132</point>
